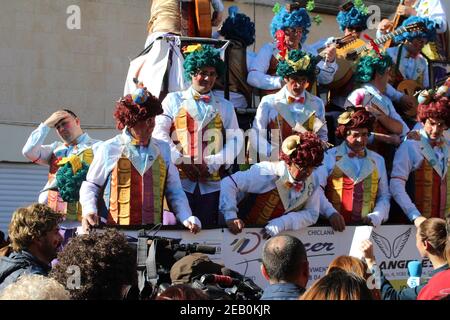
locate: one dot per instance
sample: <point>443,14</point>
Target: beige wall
<point>44,65</point>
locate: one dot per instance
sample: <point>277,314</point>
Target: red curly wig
<point>128,113</point>
<point>439,109</point>
<point>309,152</point>
<point>361,118</point>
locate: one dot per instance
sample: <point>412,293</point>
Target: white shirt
<point>433,10</point>
<point>357,97</point>
<point>293,113</point>
<point>202,112</point>
<point>261,178</point>
<point>409,158</point>
<point>358,170</point>
<point>258,77</point>
<point>37,152</point>
<point>106,159</point>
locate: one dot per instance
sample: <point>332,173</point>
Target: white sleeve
<point>176,197</point>
<point>298,219</point>
<point>95,180</point>
<point>393,93</point>
<point>163,123</point>
<point>33,148</point>
<point>380,213</point>
<point>402,167</point>
<point>323,131</point>
<point>258,136</point>
<point>253,180</point>
<point>438,16</point>
<point>327,72</point>
<point>257,76</point>
<point>394,115</point>
<point>217,5</point>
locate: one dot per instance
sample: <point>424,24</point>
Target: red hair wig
<point>439,109</point>
<point>309,152</point>
<point>128,113</point>
<point>360,118</point>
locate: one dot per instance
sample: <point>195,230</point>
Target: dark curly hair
<point>30,223</point>
<point>128,113</point>
<point>370,64</point>
<point>439,109</point>
<point>207,56</point>
<point>284,69</point>
<point>361,118</point>
<point>309,152</point>
<point>239,27</point>
<point>106,262</point>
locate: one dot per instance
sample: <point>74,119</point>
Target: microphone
<point>415,271</point>
<point>226,281</point>
<point>197,248</point>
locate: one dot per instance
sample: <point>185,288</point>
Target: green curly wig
<point>207,56</point>
<point>286,69</point>
<point>68,183</point>
<point>371,63</point>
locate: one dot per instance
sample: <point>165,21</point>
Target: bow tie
<point>297,185</point>
<point>359,154</point>
<point>205,98</point>
<point>438,143</point>
<point>291,99</point>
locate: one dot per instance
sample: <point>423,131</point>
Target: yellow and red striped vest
<point>352,201</point>
<point>260,208</point>
<point>132,199</point>
<point>71,209</point>
<point>431,194</point>
<point>187,136</point>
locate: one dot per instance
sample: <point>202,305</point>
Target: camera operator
<point>285,265</point>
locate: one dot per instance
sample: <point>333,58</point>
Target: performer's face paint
<point>300,173</point>
<point>292,37</point>
<point>357,139</point>
<point>296,84</point>
<point>204,79</point>
<point>434,128</point>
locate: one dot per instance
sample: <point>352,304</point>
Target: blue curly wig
<point>295,19</point>
<point>354,18</point>
<point>371,63</point>
<point>284,69</point>
<point>207,56</point>
<point>429,34</point>
<point>239,27</point>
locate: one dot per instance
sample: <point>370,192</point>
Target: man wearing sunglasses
<point>75,145</point>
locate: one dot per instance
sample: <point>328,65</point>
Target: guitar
<point>196,18</point>
<point>350,52</point>
<point>398,19</point>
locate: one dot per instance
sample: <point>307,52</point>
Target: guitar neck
<point>383,38</point>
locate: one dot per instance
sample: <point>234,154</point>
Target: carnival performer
<point>419,174</point>
<point>68,161</point>
<point>290,30</point>
<point>353,177</point>
<point>372,71</point>
<point>202,131</point>
<point>133,172</point>
<point>281,194</point>
<point>293,108</point>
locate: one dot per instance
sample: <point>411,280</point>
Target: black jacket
<point>18,263</point>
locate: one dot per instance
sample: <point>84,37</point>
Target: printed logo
<point>397,246</point>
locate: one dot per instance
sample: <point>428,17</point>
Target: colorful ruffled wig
<point>353,19</point>
<point>297,18</point>
<point>370,64</point>
<point>238,27</point>
<point>429,33</point>
<point>139,106</point>
<point>354,119</point>
<point>436,109</point>
<point>308,151</point>
<point>298,63</point>
<point>202,56</point>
